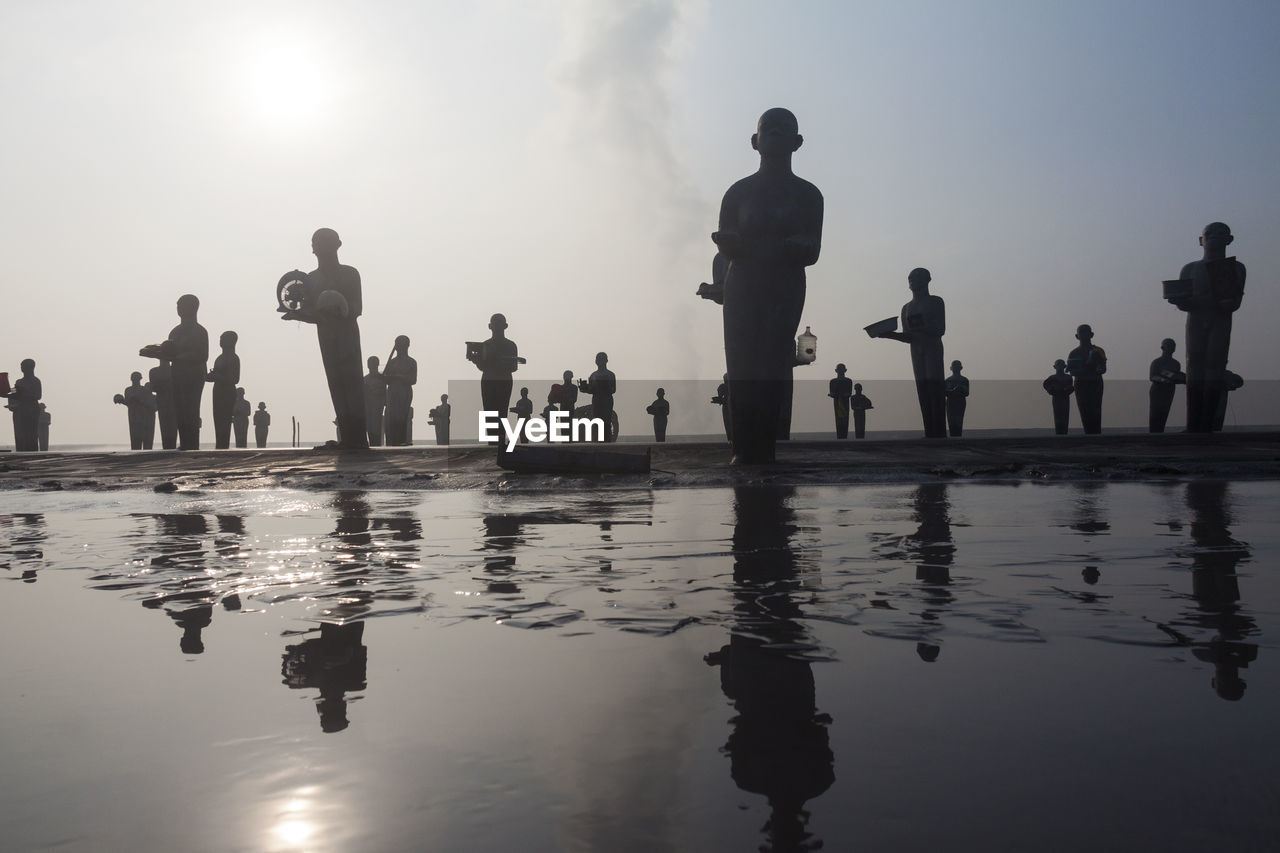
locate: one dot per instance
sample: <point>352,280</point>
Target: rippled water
<point>968,666</point>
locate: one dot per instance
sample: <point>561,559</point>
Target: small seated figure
<point>523,410</point>
<point>141,403</point>
<point>160,378</point>
<point>957,390</point>
<point>1087,363</point>
<point>1060,387</point>
<point>721,399</point>
<point>224,376</point>
<point>1230,382</point>
<point>401,374</point>
<point>1166,375</point>
<point>602,385</point>
<point>439,418</point>
<point>858,404</point>
<point>261,424</point>
<point>45,420</point>
<point>840,390</point>
<point>924,322</point>
<point>240,413</point>
<point>496,359</point>
<point>375,401</point>
<point>660,409</point>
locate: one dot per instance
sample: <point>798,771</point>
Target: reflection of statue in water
<point>1216,588</point>
<point>1087,363</point>
<point>187,351</point>
<point>338,331</point>
<point>924,322</point>
<point>375,401</point>
<point>840,390</point>
<point>779,746</point>
<point>401,374</point>
<point>721,399</point>
<point>1060,386</point>
<point>1166,375</point>
<point>141,403</point>
<point>497,359</point>
<point>192,621</point>
<point>224,376</point>
<point>770,230</point>
<point>1213,290</point>
<point>160,378</point>
<point>240,413</point>
<point>661,410</point>
<point>335,663</point>
<point>24,402</point>
<point>957,391</point>
<point>602,385</point>
<point>261,424</point>
<point>523,410</point>
<point>859,403</point>
<point>502,535</point>
<point>439,418</point>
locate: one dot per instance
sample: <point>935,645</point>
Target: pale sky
<point>563,163</point>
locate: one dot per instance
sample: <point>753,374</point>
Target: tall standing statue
<point>602,385</point>
<point>1166,375</point>
<point>401,374</point>
<point>261,424</point>
<point>566,393</point>
<point>241,411</point>
<point>24,402</point>
<point>439,418</point>
<point>1213,290</point>
<point>160,378</point>
<point>497,359</point>
<point>770,230</point>
<point>1087,363</point>
<point>187,351</point>
<point>224,376</point>
<point>840,389</point>
<point>375,401</point>
<point>957,391</point>
<point>1060,387</point>
<point>661,410</point>
<point>523,410</point>
<point>924,322</point>
<point>141,405</point>
<point>336,319</point>
<point>859,403</point>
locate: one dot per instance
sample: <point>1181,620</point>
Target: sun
<point>285,82</point>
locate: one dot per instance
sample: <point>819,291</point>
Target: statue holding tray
<point>924,322</point>
<point>496,359</point>
<point>187,351</point>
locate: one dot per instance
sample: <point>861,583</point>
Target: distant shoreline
<point>1118,456</point>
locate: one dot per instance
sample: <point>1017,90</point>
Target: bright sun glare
<point>286,83</point>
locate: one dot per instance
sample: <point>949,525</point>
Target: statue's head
<point>373,362</point>
<point>568,375</point>
<point>28,365</point>
<point>188,305</point>
<point>135,377</point>
<point>602,358</point>
<point>240,393</point>
<point>1168,345</point>
<point>524,392</point>
<point>1216,235</point>
<point>1084,333</point>
<point>497,322</point>
<point>857,387</point>
<point>402,343</point>
<point>777,133</point>
<point>444,398</point>
<point>325,241</point>
<point>662,392</point>
<point>918,279</point>
<point>1059,365</point>
<point>840,369</point>
<point>957,366</point>
<point>262,406</point>
<point>228,339</point>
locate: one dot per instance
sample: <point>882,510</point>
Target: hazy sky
<point>563,162</point>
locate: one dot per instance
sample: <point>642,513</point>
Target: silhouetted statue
<point>566,393</point>
<point>957,390</point>
<point>224,376</point>
<point>523,410</point>
<point>24,402</point>
<point>770,230</point>
<point>160,378</point>
<point>439,418</point>
<point>858,404</point>
<point>141,403</point>
<point>1230,382</point>
<point>1087,363</point>
<point>497,358</point>
<point>43,433</point>
<point>721,399</point>
<point>336,318</point>
<point>1060,387</point>
<point>261,425</point>
<point>661,410</point>
<point>1166,375</point>
<point>924,322</point>
<point>1211,291</point>
<point>187,351</point>
<point>240,413</point>
<point>840,390</point>
<point>602,385</point>
<point>375,401</point>
<point>401,374</point>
